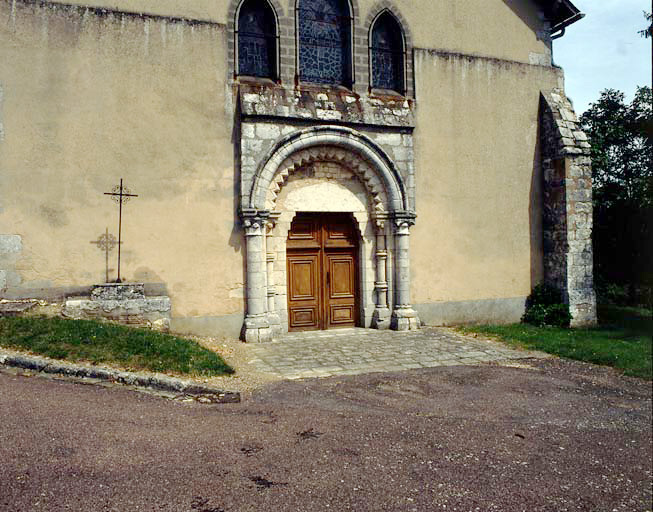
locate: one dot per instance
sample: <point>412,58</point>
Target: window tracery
<point>387,54</point>
<point>257,39</point>
<point>324,36</point>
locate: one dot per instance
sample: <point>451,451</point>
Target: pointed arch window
<point>257,39</point>
<point>387,54</point>
<point>324,34</point>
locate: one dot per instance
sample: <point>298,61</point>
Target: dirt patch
<point>561,436</point>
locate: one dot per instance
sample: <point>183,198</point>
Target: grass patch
<point>87,340</point>
<point>621,340</point>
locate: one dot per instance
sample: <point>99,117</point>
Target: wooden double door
<point>321,255</point>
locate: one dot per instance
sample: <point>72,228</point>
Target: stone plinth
<point>118,291</point>
<point>121,302</point>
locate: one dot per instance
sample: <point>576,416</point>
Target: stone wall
<point>268,113</point>
<point>11,247</point>
<point>567,223</point>
<point>283,134</point>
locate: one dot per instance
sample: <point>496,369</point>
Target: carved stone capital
<point>254,221</point>
<point>272,221</point>
<point>379,221</point>
<point>403,221</point>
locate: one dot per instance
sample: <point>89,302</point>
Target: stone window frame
<point>359,52</point>
<point>285,39</point>
<point>349,81</point>
<point>288,55</point>
<point>275,73</point>
<point>377,10</point>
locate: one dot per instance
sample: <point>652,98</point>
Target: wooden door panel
<point>341,275</point>
<point>303,290</point>
<point>341,288</point>
<point>321,267</point>
<point>304,317</point>
<point>342,315</point>
<point>305,233</point>
<point>303,277</point>
<point>339,233</point>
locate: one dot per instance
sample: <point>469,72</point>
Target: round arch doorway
<point>322,272</point>
<point>327,169</point>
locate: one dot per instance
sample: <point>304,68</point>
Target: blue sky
<point>604,50</point>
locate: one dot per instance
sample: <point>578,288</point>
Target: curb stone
<point>162,382</point>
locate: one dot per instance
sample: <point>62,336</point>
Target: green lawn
<point>85,340</point>
<point>622,339</point>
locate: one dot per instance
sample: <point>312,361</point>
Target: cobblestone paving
<point>356,351</point>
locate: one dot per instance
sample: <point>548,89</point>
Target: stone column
<point>257,326</point>
<point>273,315</point>
<point>404,317</point>
<point>381,316</point>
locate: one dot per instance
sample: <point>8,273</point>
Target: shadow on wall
<point>535,212</point>
<point>237,235</point>
<point>527,13</point>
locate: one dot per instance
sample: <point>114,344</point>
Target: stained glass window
<point>324,41</point>
<point>257,39</point>
<point>387,54</point>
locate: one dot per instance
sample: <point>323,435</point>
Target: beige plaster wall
<point>87,101</point>
<point>209,10</point>
<point>506,29</point>
<point>478,231</point>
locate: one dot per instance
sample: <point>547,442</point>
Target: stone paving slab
<point>357,351</point>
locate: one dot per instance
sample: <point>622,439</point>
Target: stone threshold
<point>141,380</point>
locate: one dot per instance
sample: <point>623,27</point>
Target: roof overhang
<point>561,13</point>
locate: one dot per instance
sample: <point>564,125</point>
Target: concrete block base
<point>381,319</point>
<point>404,319</point>
<point>121,302</point>
<point>257,329</point>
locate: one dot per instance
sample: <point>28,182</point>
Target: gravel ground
<point>237,354</point>
<point>538,435</point>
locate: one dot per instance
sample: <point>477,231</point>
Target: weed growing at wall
<point>544,306</point>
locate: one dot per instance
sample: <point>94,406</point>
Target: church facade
<point>298,164</point>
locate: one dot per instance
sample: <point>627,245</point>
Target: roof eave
<point>561,13</point>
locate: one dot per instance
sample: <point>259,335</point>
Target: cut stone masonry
<point>376,150</point>
<point>123,302</point>
<point>567,223</point>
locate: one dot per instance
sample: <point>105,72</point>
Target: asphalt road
<point>558,436</point>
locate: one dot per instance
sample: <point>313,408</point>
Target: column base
<point>256,329</point>
<point>583,315</point>
<point>404,319</point>
<point>381,319</point>
<point>275,324</point>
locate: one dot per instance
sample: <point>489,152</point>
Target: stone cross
<point>120,195</point>
<point>106,242</point>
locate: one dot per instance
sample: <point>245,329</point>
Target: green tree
<point>647,32</point>
<point>622,167</point>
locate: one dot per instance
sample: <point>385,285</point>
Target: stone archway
<point>361,180</point>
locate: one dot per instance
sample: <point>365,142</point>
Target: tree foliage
<point>622,166</point>
<point>647,32</point>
